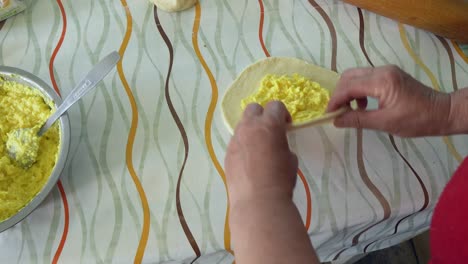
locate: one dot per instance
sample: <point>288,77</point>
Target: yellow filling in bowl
<point>304,99</point>
<point>24,107</point>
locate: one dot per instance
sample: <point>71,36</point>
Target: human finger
<point>355,88</point>
<point>278,111</point>
<point>374,119</point>
<point>253,109</point>
<point>356,72</point>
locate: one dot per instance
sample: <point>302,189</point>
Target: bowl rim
<point>33,81</point>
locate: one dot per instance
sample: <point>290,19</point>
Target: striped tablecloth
<point>145,178</point>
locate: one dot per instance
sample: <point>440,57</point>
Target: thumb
<point>361,119</point>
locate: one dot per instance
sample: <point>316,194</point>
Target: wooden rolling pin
<point>446,18</point>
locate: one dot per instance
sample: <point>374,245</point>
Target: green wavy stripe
<point>27,239</point>
<point>179,37</point>
<point>217,38</point>
<point>239,28</point>
<point>382,35</point>
<point>160,236</point>
<point>243,41</point>
<point>155,228</point>
<point>123,186</point>
<point>76,201</point>
<point>415,46</point>
<point>144,116</point>
<point>327,163</point>
<point>461,67</point>
<point>219,140</point>
<point>180,153</point>
<point>169,205</point>
<point>431,176</point>
<point>33,38</point>
<point>131,209</point>
<point>448,174</point>
<point>99,172</point>
<point>334,15</point>
<point>439,72</point>
<point>206,223</point>
<point>407,183</point>
<point>55,221</point>
<point>339,30</point>
<point>387,62</point>
<point>329,152</point>
<point>396,194</point>
<point>25,230</point>
<point>10,25</point>
<point>116,11</point>
<point>54,224</point>
<point>369,43</point>
<point>96,168</point>
<point>23,241</point>
<point>282,27</point>
<point>298,36</point>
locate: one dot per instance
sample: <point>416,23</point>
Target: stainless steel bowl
<point>35,82</point>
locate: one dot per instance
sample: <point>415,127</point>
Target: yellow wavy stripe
<point>131,139</point>
<point>459,51</point>
<point>435,84</point>
<point>209,118</point>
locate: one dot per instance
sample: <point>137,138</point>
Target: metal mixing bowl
<point>35,82</point>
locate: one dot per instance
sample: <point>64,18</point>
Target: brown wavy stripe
<point>360,160</point>
<point>452,61</point>
<point>332,30</point>
<point>361,37</point>
<point>392,139</point>
<point>2,23</point>
<point>375,191</point>
<point>421,183</point>
<point>180,126</point>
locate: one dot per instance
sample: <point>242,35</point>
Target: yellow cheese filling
<point>304,99</point>
<point>23,107</point>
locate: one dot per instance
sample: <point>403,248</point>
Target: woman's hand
<point>259,163</point>
<point>406,108</point>
<point>265,224</point>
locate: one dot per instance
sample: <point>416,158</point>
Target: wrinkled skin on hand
<point>407,108</point>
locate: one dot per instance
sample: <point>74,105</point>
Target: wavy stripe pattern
<point>434,82</point>
<point>183,134</point>
<point>131,140</point>
<point>63,195</point>
<point>299,172</point>
<point>209,118</point>
<point>145,181</point>
<point>392,140</point>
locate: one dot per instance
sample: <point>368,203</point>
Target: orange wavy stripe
<point>57,48</point>
<point>63,195</point>
<point>308,198</point>
<point>459,51</point>
<point>131,140</point>
<point>209,118</point>
<point>435,84</point>
<point>299,172</point>
<point>260,28</point>
<point>59,250</point>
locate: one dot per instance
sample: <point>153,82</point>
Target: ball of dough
<point>174,5</point>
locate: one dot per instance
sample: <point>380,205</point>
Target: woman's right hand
<point>406,107</point>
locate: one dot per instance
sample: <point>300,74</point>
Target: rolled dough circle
<point>249,81</point>
<point>174,5</point>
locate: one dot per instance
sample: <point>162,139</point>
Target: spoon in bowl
<point>23,144</point>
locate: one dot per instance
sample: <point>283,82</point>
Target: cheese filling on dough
<point>304,99</point>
